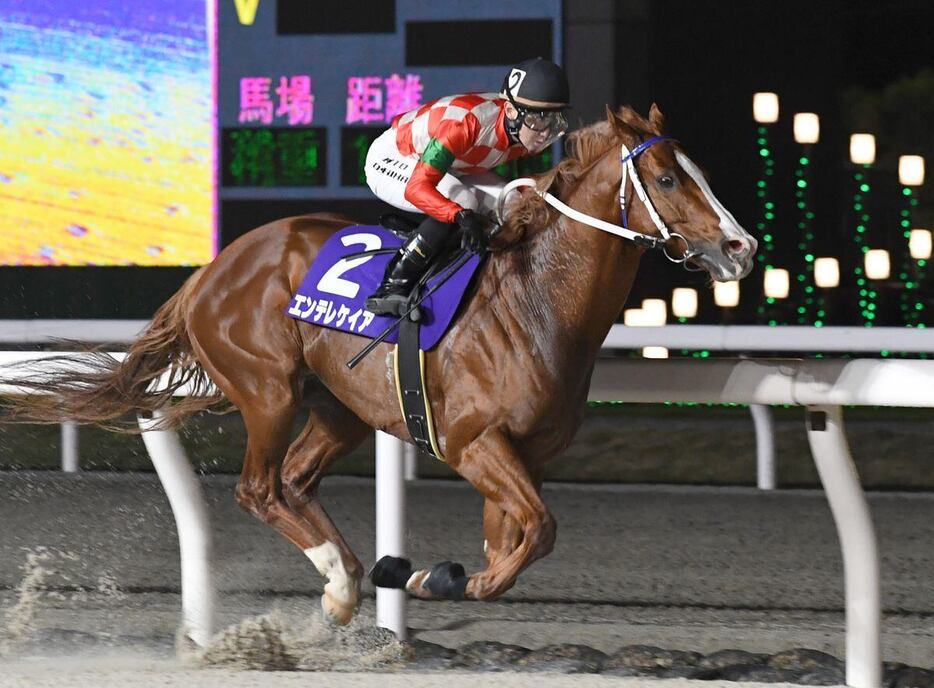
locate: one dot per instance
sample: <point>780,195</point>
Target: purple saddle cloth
<point>334,290</point>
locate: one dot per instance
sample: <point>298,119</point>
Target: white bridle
<point>629,172</point>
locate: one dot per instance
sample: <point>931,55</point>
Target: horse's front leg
<point>521,533</point>
<point>501,532</point>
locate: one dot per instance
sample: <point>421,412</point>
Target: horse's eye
<point>666,181</point>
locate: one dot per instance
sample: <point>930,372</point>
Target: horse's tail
<point>94,387</point>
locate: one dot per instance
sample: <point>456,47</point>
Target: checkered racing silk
<point>462,134</point>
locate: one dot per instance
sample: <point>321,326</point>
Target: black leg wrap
<point>391,572</point>
<point>447,580</point>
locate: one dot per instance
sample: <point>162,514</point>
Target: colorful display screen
<point>106,110</point>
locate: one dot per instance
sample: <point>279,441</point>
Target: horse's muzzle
<point>730,260</point>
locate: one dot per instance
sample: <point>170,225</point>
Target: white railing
<point>733,338</point>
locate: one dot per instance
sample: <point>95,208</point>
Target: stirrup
<point>387,304</point>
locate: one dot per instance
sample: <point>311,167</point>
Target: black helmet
<point>537,84</point>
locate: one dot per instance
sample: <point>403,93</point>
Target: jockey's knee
<point>435,233</point>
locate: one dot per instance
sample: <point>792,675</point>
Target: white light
<point>634,317</point>
<point>776,283</point>
<point>919,244</point>
<point>726,294</point>
<point>765,107</point>
<point>910,170</point>
<point>862,149</point>
<point>655,312</point>
<point>807,127</point>
<point>877,264</point>
<point>827,272</point>
<point>684,302</point>
<point>654,352</point>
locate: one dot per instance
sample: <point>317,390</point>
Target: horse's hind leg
<point>268,393</point>
<point>332,431</point>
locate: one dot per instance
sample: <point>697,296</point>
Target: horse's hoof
<point>391,572</point>
<point>335,612</point>
<point>447,580</point>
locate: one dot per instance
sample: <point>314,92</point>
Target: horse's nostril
<point>735,246</point>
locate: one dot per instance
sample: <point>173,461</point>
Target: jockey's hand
<point>472,226</point>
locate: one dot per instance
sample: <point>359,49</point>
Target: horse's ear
<point>657,119</point>
<point>622,128</point>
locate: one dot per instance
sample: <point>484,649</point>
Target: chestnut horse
<point>507,385</point>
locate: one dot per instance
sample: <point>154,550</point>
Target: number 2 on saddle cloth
<point>333,294</point>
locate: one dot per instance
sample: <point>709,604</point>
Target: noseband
<point>629,171</point>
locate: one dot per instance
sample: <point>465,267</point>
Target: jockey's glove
<point>472,226</point>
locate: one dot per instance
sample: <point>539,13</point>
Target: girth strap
<point>409,362</point>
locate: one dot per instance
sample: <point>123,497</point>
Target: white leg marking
<point>340,586</point>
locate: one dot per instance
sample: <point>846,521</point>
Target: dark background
<point>700,60</point>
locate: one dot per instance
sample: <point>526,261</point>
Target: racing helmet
<point>539,91</point>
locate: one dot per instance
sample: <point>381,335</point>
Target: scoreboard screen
<point>305,87</point>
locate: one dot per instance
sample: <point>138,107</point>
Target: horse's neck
<point>573,280</point>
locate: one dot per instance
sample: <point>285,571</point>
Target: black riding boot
<point>406,267</point>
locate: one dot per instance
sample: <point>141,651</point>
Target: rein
<point>627,161</point>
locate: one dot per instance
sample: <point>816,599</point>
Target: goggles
<point>552,121</point>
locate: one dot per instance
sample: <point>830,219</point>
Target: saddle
<point>349,266</point>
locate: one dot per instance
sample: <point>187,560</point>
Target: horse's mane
<point>584,147</point>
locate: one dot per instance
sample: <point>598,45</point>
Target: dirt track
<point>689,568</point>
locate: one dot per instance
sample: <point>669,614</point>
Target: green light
<point>906,191</point>
<point>802,184</point>
<point>764,152</point>
<point>767,237</point>
<point>864,187</point>
<point>809,258</point>
<point>803,160</point>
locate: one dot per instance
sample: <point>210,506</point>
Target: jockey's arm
<point>452,139</point>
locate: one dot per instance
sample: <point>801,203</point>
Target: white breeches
<point>388,172</point>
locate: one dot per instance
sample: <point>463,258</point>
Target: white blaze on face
<point>728,225</point>
<point>340,586</point>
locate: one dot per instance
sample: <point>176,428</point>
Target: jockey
<point>433,159</point>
